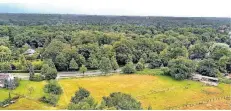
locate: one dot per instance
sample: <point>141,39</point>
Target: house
<point>29,52</point>
<point>205,79</point>
<point>228,76</point>
<point>6,80</point>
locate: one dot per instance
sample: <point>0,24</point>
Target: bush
<point>139,66</point>
<point>155,63</point>
<point>37,64</point>
<point>17,65</point>
<point>82,101</point>
<point>121,101</point>
<point>165,70</point>
<point>225,80</point>
<point>80,95</point>
<point>37,77</point>
<point>50,99</point>
<point>53,87</point>
<point>129,68</point>
<point>85,104</point>
<point>4,67</point>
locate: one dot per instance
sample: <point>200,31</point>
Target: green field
<point>161,92</point>
<point>31,98</point>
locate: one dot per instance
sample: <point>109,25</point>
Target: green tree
<point>219,50</point>
<point>208,67</point>
<point>4,67</point>
<point>10,34</point>
<point>105,65</point>
<point>73,65</point>
<point>129,68</point>
<point>23,62</point>
<point>83,69</point>
<point>30,68</point>
<point>82,101</point>
<point>181,68</point>
<point>174,51</point>
<point>154,61</point>
<point>93,62</point>
<point>5,53</point>
<point>114,64</point>
<point>50,63</point>
<point>53,87</point>
<point>139,66</point>
<point>53,49</point>
<point>122,101</point>
<point>61,62</point>
<point>80,95</point>
<point>198,51</point>
<point>142,61</point>
<point>48,72</point>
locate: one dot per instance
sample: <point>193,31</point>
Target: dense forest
<point>180,45</point>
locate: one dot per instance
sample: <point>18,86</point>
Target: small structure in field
<point>6,80</point>
<point>205,79</point>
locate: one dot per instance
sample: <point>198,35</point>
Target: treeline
<point>53,19</point>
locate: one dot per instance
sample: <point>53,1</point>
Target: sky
<point>179,8</point>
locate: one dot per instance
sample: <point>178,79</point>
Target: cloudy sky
<point>196,8</point>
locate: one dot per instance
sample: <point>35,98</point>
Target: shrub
<point>37,64</point>
<point>129,68</point>
<point>4,67</point>
<point>121,101</point>
<point>37,77</point>
<point>139,66</point>
<point>155,63</point>
<point>85,104</point>
<point>82,101</point>
<point>53,87</point>
<point>165,70</point>
<point>17,65</point>
<point>83,69</point>
<point>50,99</point>
<point>80,95</point>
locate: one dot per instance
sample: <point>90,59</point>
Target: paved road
<point>67,74</point>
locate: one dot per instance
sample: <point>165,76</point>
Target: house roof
<point>30,51</point>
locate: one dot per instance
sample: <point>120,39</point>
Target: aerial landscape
<point>107,62</point>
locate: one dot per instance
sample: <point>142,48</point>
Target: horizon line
<point>112,15</point>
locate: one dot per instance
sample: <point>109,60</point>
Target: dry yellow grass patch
<point>160,92</point>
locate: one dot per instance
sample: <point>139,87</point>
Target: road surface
<point>61,75</point>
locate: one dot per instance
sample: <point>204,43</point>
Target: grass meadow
<point>160,92</point>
